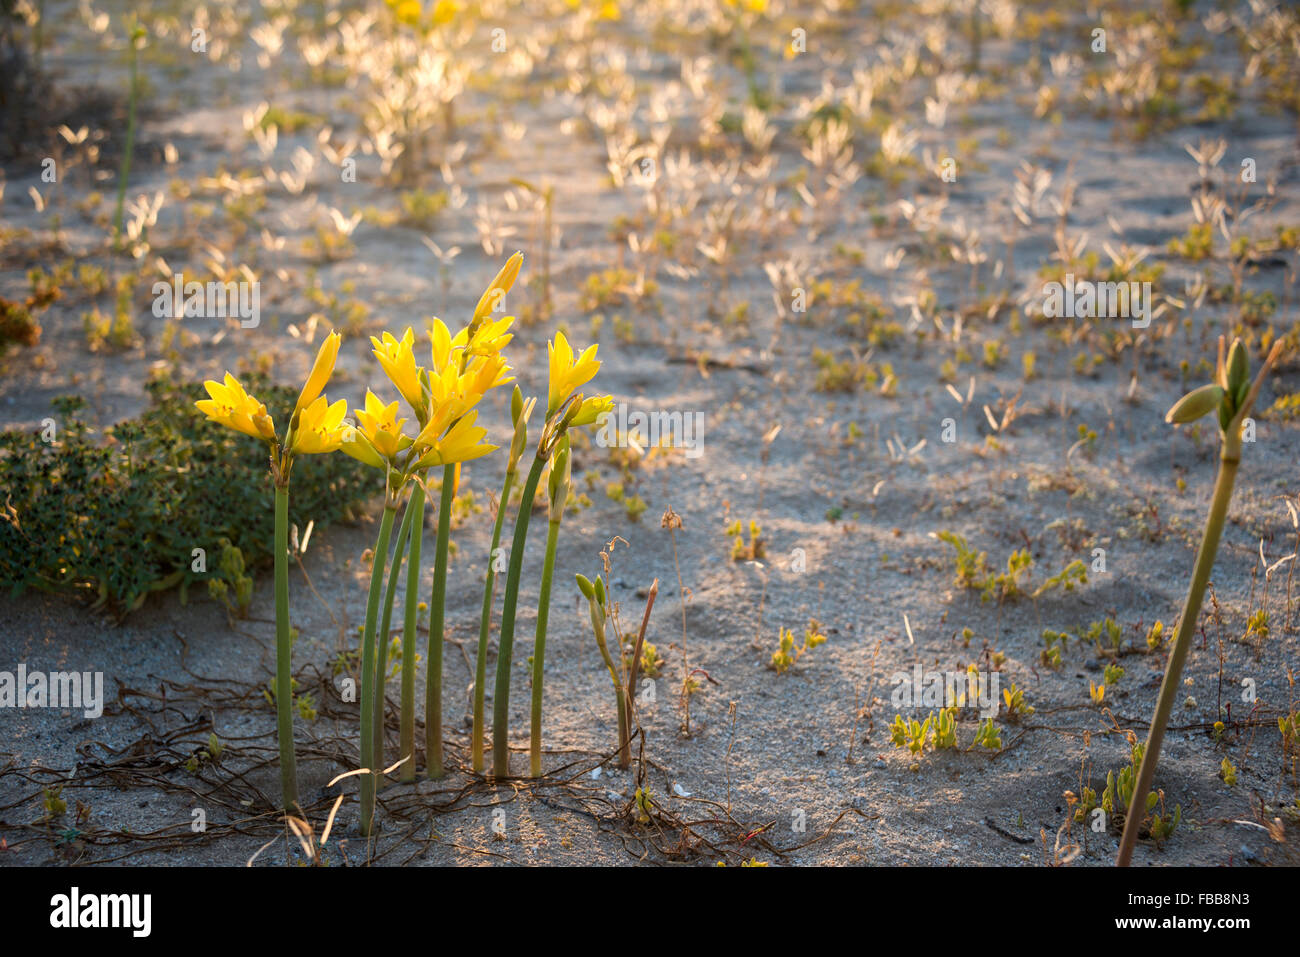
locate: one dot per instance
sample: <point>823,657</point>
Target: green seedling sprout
<point>624,679</point>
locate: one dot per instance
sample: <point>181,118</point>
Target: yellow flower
<point>444,347</point>
<point>444,11</point>
<point>358,446</point>
<point>450,401</point>
<point>448,350</point>
<point>453,393</point>
<point>497,289</point>
<point>320,427</point>
<point>397,358</point>
<point>483,374</point>
<point>381,426</point>
<point>408,12</point>
<point>590,410</point>
<point>321,371</point>
<point>567,373</point>
<point>490,337</point>
<point>231,406</point>
<point>462,443</point>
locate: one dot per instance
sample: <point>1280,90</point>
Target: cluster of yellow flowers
<point>442,397</point>
<point>411,12</point>
<point>316,425</point>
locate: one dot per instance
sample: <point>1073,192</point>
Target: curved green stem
<point>501,695</point>
<point>1182,643</point>
<point>620,698</point>
<point>382,637</point>
<point>433,678</point>
<point>539,651</point>
<point>407,738</point>
<point>485,625</point>
<point>284,654</point>
<point>368,671</point>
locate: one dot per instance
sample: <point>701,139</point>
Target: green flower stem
<point>539,651</point>
<point>433,679</point>
<point>407,739</point>
<point>368,670</point>
<point>125,173</point>
<point>620,698</point>
<point>385,630</point>
<point>485,624</point>
<point>501,695</point>
<point>284,654</point>
<point>1230,458</point>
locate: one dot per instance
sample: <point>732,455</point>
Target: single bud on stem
<point>1232,378</point>
<point>1195,404</point>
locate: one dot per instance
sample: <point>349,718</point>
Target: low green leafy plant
<point>1017,706</point>
<point>1005,586</point>
<point>1106,634</point>
<point>651,664</point>
<point>973,570</point>
<point>53,802</point>
<point>945,729</point>
<point>1228,771</point>
<point>911,734</point>
<point>1257,624</point>
<point>939,733</point>
<point>17,324</point>
<point>1055,643</point>
<point>184,482</point>
<point>211,754</point>
<point>988,736</point>
<point>1083,805</point>
<point>1117,800</point>
<point>972,565</point>
<point>742,551</point>
<point>786,654</point>
<point>1067,579</point>
<point>229,584</point>
<point>1289,725</point>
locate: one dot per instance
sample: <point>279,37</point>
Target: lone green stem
<point>368,671</point>
<point>284,654</point>
<point>485,625</point>
<point>129,147</point>
<point>501,695</point>
<point>407,738</point>
<point>620,698</point>
<point>433,681</point>
<point>539,651</point>
<point>1182,643</point>
<point>385,630</point>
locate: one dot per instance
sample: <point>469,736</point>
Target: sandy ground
<point>842,492</point>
